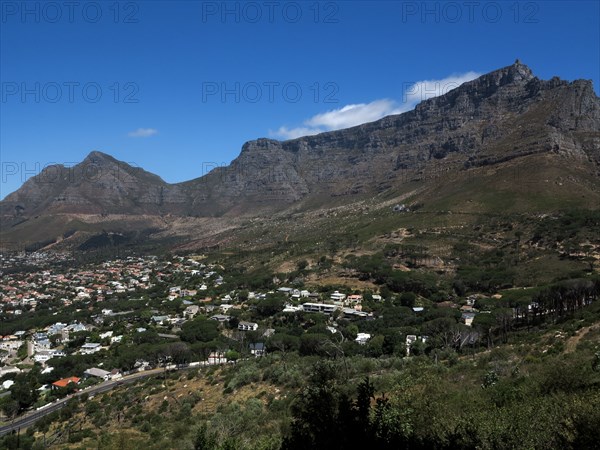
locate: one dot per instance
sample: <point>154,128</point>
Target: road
<point>30,418</point>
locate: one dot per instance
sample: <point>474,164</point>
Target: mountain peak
<point>96,157</point>
<point>521,71</point>
<point>517,73</point>
<point>507,82</point>
<point>261,143</point>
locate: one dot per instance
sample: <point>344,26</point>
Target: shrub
<point>245,375</point>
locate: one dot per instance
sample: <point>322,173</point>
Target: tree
<point>408,299</point>
<point>199,329</point>
<point>596,362</point>
<point>324,417</point>
<point>146,337</point>
<point>10,407</point>
<point>485,323</point>
<point>232,355</point>
<point>179,352</point>
<point>351,332</point>
<point>490,379</point>
<point>315,423</point>
<point>234,321</point>
<point>243,295</point>
<point>24,392</point>
<point>312,344</point>
<point>203,439</point>
<point>22,351</point>
<point>504,319</point>
<point>589,257</point>
<point>374,347</point>
<point>301,265</point>
<point>283,343</point>
<point>269,306</point>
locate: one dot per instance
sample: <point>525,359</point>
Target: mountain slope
<point>500,116</point>
<point>506,135</point>
<point>98,185</point>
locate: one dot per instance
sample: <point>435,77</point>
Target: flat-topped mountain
<point>496,120</point>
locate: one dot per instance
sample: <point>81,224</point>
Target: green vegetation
<point>501,399</point>
<point>483,334</point>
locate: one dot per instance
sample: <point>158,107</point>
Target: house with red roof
<point>65,382</point>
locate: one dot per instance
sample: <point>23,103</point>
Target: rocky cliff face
<point>500,116</point>
<point>503,115</point>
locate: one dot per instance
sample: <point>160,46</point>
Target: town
<point>81,326</point>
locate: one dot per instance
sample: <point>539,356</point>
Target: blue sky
<point>178,87</point>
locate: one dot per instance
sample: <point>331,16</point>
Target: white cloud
<point>293,133</point>
<point>423,90</point>
<point>142,133</point>
<point>351,115</point>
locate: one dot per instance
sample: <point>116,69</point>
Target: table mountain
<point>505,118</point>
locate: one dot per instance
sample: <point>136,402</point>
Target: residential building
<point>65,382</point>
<point>98,373</point>
<point>247,326</point>
<point>362,338</point>
<point>258,349</point>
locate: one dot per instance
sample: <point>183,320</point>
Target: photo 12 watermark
<point>91,170</point>
<point>416,92</point>
<point>68,92</point>
<point>29,12</point>
<point>270,12</point>
<point>470,12</point>
<point>269,92</point>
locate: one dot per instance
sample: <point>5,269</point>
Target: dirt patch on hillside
<point>571,343</point>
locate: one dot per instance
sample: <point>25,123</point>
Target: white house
<point>362,338</point>
<point>44,355</point>
<point>191,311</point>
<point>338,296</point>
<point>90,347</point>
<point>467,318</point>
<point>220,318</point>
<point>292,308</point>
<point>225,308</point>
<point>159,319</point>
<point>319,307</point>
<point>217,358</point>
<point>354,299</point>
<point>353,312</point>
<point>98,373</point>
<point>247,326</point>
<point>411,339</point>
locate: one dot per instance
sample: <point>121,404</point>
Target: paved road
<point>30,418</point>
